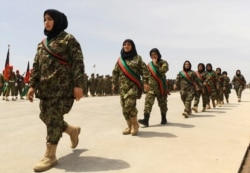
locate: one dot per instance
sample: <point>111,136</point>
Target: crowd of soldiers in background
<point>100,85</point>
<point>95,85</point>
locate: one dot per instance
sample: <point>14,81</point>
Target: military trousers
<point>128,105</point>
<point>150,99</point>
<point>238,91</point>
<point>52,113</point>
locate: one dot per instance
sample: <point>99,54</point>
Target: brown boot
<point>49,159</point>
<point>128,129</point>
<point>73,132</point>
<point>185,114</point>
<point>213,103</point>
<point>208,106</point>
<point>203,109</point>
<point>195,109</point>
<point>135,126</point>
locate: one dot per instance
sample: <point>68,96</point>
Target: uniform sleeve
<point>77,62</point>
<point>115,75</point>
<point>34,76</point>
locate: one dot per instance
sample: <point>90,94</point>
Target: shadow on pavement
<point>180,125</point>
<point>75,163</point>
<point>200,116</point>
<point>150,134</point>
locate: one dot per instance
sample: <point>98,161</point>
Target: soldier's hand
<point>146,87</point>
<point>175,86</point>
<point>30,94</point>
<point>78,93</point>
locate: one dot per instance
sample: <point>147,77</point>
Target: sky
<point>201,31</point>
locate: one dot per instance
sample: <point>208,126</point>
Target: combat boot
<point>163,118</point>
<point>203,109</point>
<point>135,126</point>
<point>49,159</point>
<point>195,109</point>
<point>73,132</point>
<point>208,106</point>
<point>219,103</point>
<point>145,120</point>
<point>128,129</point>
<point>213,102</point>
<point>185,114</point>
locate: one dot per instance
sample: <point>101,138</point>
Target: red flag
<point>27,75</point>
<point>7,65</point>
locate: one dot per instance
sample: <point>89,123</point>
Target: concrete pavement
<point>209,142</point>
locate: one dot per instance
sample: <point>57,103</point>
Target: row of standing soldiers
<point>14,86</point>
<point>100,85</point>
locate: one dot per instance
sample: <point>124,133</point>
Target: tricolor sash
<point>186,77</point>
<point>240,81</point>
<point>161,81</point>
<point>60,59</point>
<point>129,73</point>
<point>201,78</point>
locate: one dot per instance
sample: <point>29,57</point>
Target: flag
<point>94,66</point>
<point>7,65</point>
<point>27,74</point>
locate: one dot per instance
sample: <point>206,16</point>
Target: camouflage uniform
<point>19,85</point>
<point>10,85</point>
<point>187,87</point>
<point>239,84</point>
<point>227,88</point>
<point>129,91</point>
<point>85,85</point>
<point>55,82</point>
<point>92,85</point>
<point>201,92</point>
<point>220,86</point>
<point>161,67</point>
<point>107,85</point>
<point>99,87</point>
<point>1,84</point>
<point>211,84</point>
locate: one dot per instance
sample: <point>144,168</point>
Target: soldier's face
<point>127,47</point>
<point>154,55</point>
<point>48,22</point>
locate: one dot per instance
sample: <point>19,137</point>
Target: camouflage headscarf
<point>60,23</point>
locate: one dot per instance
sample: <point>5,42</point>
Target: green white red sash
<point>60,59</point>
<point>129,73</point>
<point>240,81</point>
<point>161,82</point>
<point>201,78</point>
<point>186,77</point>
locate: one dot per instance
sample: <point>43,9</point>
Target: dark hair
<point>132,53</point>
<point>157,52</point>
<point>60,23</point>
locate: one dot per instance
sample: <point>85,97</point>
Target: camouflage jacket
<point>201,76</point>
<point>211,80</point>
<point>1,80</point>
<point>126,86</point>
<point>221,83</point>
<point>51,78</point>
<point>227,86</point>
<point>161,68</point>
<point>185,84</point>
<point>238,81</point>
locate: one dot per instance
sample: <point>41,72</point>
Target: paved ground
<point>210,142</point>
